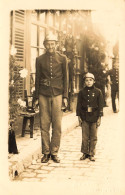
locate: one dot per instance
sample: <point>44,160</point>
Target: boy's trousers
<point>50,113</point>
<point>89,138</point>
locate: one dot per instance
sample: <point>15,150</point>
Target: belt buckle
<point>89,109</point>
<point>48,83</point>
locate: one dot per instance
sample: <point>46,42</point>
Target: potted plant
<point>16,74</point>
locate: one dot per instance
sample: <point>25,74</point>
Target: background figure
<point>101,82</point>
<point>114,81</point>
<point>101,79</point>
<point>51,89</point>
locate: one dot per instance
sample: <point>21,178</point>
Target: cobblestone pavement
<point>105,172</point>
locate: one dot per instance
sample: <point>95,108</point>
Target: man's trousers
<point>50,114</point>
<point>113,96</point>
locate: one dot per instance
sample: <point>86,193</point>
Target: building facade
<point>28,29</point>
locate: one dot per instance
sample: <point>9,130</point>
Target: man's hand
<point>98,122</point>
<point>36,102</point>
<point>65,102</point>
<point>80,121</point>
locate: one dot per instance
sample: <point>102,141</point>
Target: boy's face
<point>116,65</point>
<point>89,82</point>
<point>50,46</point>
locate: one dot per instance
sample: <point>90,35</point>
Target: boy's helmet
<point>89,75</point>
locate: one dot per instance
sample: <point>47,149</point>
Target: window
<point>42,17</point>
<point>33,35</point>
<point>50,19</point>
<point>37,38</point>
<point>34,16</point>
<point>41,36</point>
<point>57,19</point>
<point>33,59</point>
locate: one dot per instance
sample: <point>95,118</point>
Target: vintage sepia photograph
<point>64,98</point>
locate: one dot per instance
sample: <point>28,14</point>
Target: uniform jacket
<point>114,76</point>
<point>90,97</point>
<point>51,75</point>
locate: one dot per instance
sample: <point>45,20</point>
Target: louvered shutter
<point>19,35</point>
<point>18,40</point>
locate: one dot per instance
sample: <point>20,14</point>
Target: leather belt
<point>45,82</point>
<point>89,109</point>
<point>52,82</point>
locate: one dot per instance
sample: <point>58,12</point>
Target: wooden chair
<point>28,115</point>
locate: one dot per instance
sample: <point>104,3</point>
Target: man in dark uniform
<point>51,89</point>
<point>114,77</point>
<point>101,81</point>
<point>89,111</point>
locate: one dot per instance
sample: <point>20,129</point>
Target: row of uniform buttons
<point>51,67</point>
<point>88,96</point>
<point>116,75</point>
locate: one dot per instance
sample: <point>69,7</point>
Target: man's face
<point>89,82</point>
<point>50,46</point>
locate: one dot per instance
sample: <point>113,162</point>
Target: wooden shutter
<point>19,35</point>
<point>18,40</point>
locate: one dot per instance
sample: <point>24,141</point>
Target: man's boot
<point>45,158</point>
<point>92,158</point>
<point>84,156</point>
<point>55,158</point>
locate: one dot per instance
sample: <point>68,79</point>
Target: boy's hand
<point>80,121</point>
<point>98,122</point>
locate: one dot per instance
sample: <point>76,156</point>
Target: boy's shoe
<point>84,156</point>
<point>45,158</point>
<point>115,111</point>
<point>92,158</point>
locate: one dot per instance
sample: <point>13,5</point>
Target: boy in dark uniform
<point>89,111</point>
